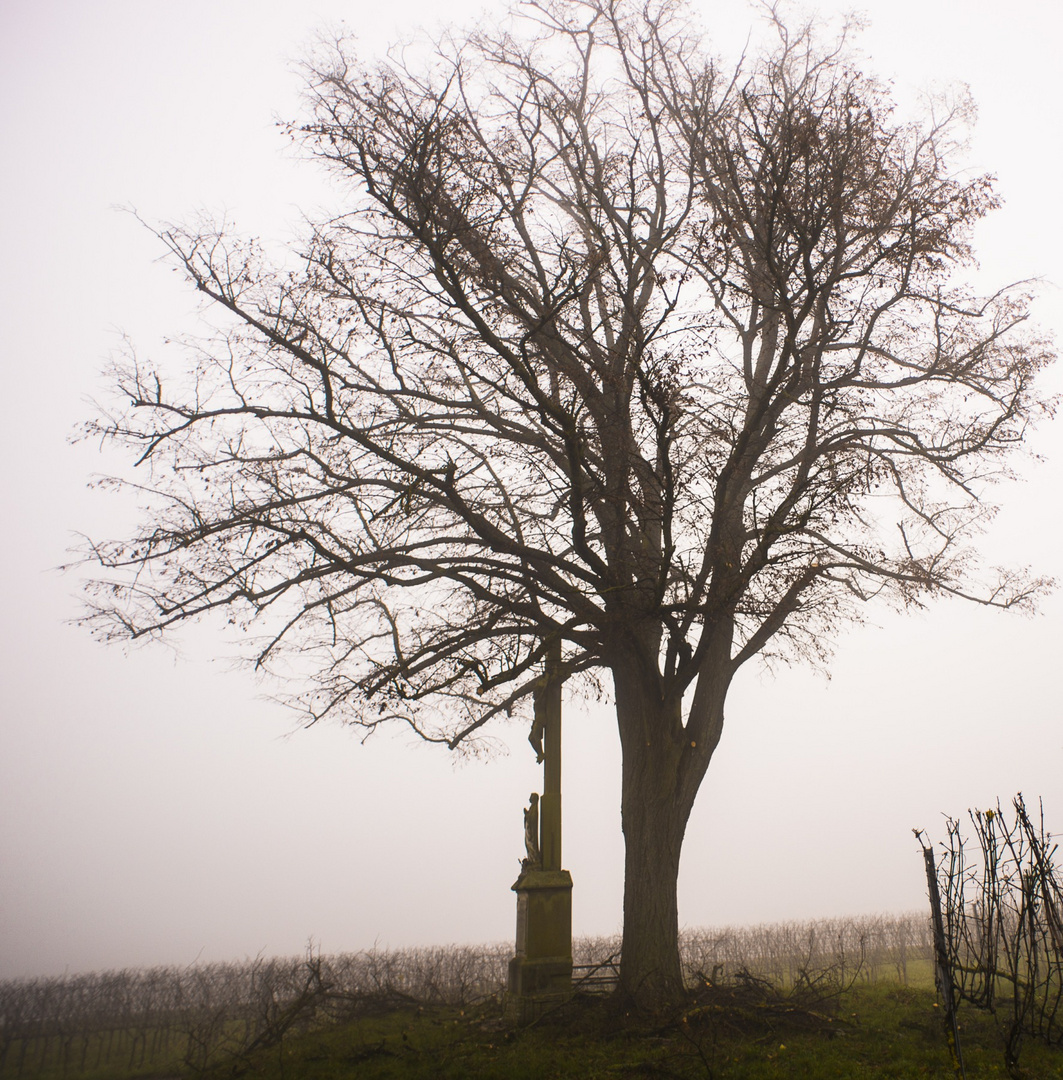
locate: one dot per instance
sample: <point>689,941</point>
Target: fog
<point>157,807</point>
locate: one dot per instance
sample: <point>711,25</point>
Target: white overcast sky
<point>153,808</point>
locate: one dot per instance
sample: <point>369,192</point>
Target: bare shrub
<point>794,953</point>
<point>790,954</point>
<point>439,975</point>
<point>1002,916</point>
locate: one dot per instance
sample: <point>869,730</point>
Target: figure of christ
<point>535,736</point>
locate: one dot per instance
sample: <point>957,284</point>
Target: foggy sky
<point>155,807</point>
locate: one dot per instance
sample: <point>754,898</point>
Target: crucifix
<point>540,974</point>
<point>545,738</point>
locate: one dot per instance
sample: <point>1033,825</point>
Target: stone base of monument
<point>540,975</point>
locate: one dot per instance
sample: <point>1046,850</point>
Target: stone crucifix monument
<point>540,974</point>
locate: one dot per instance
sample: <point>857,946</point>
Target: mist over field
<point>157,808</point>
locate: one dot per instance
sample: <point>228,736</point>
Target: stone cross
<point>548,721</point>
<point>540,973</point>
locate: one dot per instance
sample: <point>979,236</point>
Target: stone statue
<point>534,859</point>
<point>535,736</point>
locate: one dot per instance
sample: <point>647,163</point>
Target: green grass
<point>740,1030</point>
<point>870,1031</point>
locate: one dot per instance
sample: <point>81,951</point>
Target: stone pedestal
<point>540,975</point>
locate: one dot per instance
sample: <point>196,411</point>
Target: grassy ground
<point>745,1034</point>
<point>367,1024</point>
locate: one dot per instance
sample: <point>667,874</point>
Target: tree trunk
<point>650,970</point>
<point>663,766</point>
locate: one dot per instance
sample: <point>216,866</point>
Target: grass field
<point>875,1030</point>
<point>832,998</point>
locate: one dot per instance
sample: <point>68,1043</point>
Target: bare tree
<point>671,363</point>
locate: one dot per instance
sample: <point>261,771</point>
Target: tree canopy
<point>675,363</point>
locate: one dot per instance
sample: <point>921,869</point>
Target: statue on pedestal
<point>534,858</point>
<point>540,973</point>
